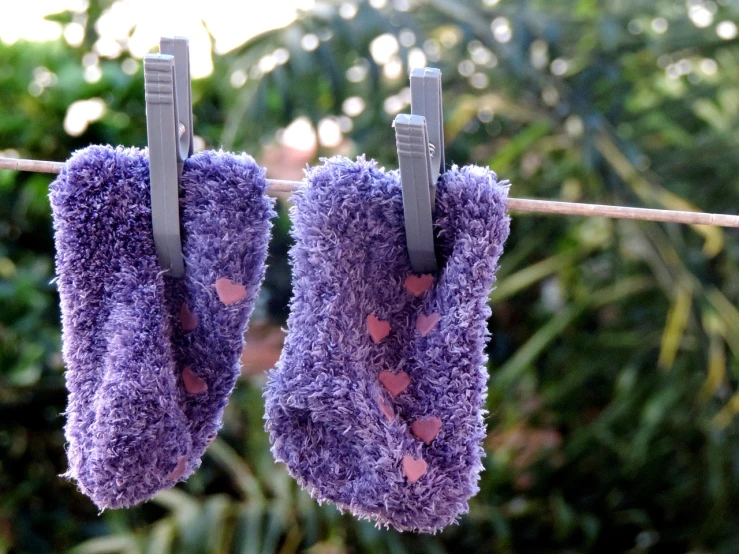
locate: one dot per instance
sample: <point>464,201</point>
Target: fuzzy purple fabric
<point>151,360</point>
<point>377,401</point>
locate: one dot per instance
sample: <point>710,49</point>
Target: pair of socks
<point>376,404</point>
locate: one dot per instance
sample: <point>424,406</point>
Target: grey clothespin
<point>420,143</point>
<point>169,132</point>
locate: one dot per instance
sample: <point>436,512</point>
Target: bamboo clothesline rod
<point>514,204</point>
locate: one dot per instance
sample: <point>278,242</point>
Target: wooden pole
<point>275,186</point>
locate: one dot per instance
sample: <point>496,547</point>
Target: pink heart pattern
<point>414,468</point>
<point>378,329</point>
<point>179,470</point>
<point>395,383</point>
<point>193,383</point>
<point>426,429</point>
<point>229,292</point>
<point>385,408</point>
<point>188,319</point>
<point>426,323</point>
<point>418,284</point>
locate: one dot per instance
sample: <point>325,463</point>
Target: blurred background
<point>614,359</point>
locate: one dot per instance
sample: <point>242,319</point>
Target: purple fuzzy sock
<point>151,360</point>
<point>377,401</point>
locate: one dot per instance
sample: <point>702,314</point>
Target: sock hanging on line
<point>377,401</point>
<point>151,360</point>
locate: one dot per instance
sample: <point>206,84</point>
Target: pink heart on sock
<point>188,319</point>
<point>230,292</point>
<point>179,471</point>
<point>418,284</point>
<point>426,429</point>
<point>193,383</point>
<point>395,383</point>
<point>378,329</point>
<point>386,408</point>
<point>426,323</point>
<point>414,468</point>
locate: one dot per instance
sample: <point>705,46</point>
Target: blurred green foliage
<point>614,371</point>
